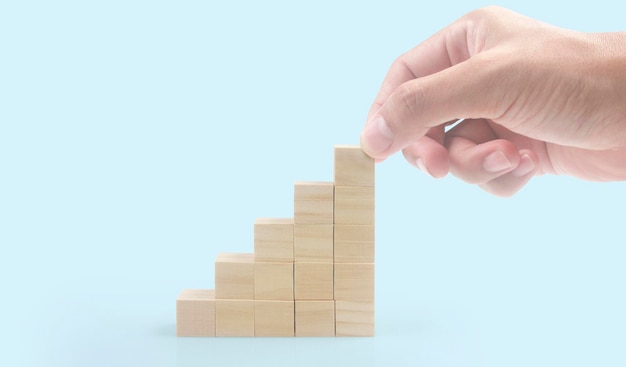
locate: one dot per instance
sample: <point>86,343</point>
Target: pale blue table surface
<point>140,138</point>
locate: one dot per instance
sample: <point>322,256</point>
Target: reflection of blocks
<point>273,281</point>
<point>273,239</point>
<point>353,167</point>
<point>354,282</point>
<point>234,276</point>
<point>195,313</point>
<point>315,318</point>
<point>274,318</point>
<point>354,318</point>
<point>234,317</point>
<point>310,275</point>
<point>313,202</point>
<point>354,205</point>
<point>313,242</point>
<point>354,244</point>
<point>313,281</point>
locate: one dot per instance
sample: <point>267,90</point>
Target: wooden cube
<point>354,244</point>
<point>313,242</point>
<point>195,312</point>
<point>273,239</point>
<point>273,281</point>
<point>354,282</point>
<point>274,318</point>
<point>354,318</point>
<point>315,318</point>
<point>234,276</point>
<point>353,167</point>
<point>234,317</point>
<point>313,202</point>
<point>354,205</point>
<point>313,281</point>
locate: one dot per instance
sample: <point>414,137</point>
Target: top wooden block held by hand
<point>353,167</point>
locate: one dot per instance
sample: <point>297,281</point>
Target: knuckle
<point>408,100</point>
<point>401,63</point>
<point>464,173</point>
<point>486,12</point>
<point>468,177</point>
<point>486,18</point>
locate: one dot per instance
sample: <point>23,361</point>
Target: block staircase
<point>310,275</point>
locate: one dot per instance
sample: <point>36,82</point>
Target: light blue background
<point>140,138</point>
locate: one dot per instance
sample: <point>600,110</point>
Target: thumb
<point>475,88</point>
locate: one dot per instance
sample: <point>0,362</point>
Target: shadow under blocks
<point>310,275</point>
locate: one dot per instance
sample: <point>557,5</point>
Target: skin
<point>536,99</point>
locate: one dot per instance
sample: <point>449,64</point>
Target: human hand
<point>536,99</point>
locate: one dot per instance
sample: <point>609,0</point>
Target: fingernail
<point>496,162</point>
<point>525,166</point>
<point>419,162</point>
<point>377,137</point>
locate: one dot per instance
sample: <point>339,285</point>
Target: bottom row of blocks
<point>198,313</point>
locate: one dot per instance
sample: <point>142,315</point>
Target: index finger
<point>444,49</point>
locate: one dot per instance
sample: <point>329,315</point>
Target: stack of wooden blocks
<point>310,275</point>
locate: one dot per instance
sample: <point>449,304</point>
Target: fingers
<point>481,163</point>
<point>439,52</point>
<point>472,88</point>
<point>496,165</point>
<point>429,156</point>
<point>510,183</point>
<point>462,71</point>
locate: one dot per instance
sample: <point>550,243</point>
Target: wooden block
<point>315,318</point>
<point>273,239</point>
<point>313,281</point>
<point>234,276</point>
<point>313,202</point>
<point>354,205</point>
<point>313,242</point>
<point>353,167</point>
<point>354,282</point>
<point>195,312</point>
<point>354,244</point>
<point>354,318</point>
<point>273,318</point>
<point>273,281</point>
<point>234,317</point>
